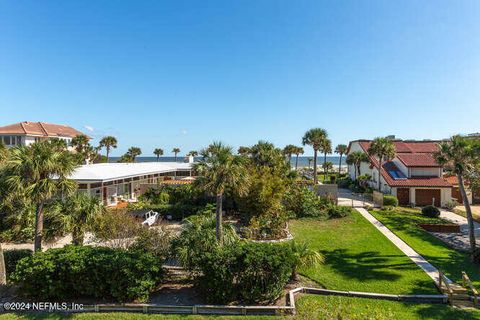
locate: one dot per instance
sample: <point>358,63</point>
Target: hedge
<point>12,257</point>
<point>391,201</point>
<point>84,271</point>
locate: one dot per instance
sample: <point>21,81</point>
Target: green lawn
<point>308,306</point>
<point>404,223</point>
<point>359,258</point>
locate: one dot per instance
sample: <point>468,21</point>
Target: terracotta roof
<point>451,179</point>
<point>42,129</point>
<point>417,160</point>
<point>407,146</point>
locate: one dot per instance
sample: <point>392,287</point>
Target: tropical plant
<point>306,258</point>
<point>80,210</point>
<point>298,151</point>
<point>356,158</point>
<point>326,148</point>
<point>131,154</point>
<point>108,142</point>
<point>176,151</point>
<point>3,271</point>
<point>341,149</point>
<point>288,151</point>
<point>243,150</point>
<point>327,166</point>
<point>40,171</point>
<point>219,170</point>
<point>158,152</point>
<point>84,151</point>
<point>383,148</point>
<point>116,229</point>
<point>316,138</point>
<point>192,153</point>
<point>461,157</point>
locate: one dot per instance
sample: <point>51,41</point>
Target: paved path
<point>460,240</point>
<point>420,261</point>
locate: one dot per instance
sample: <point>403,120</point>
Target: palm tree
<point>305,257</point>
<point>298,151</point>
<point>356,158</point>
<point>310,160</point>
<point>288,151</point>
<point>243,150</point>
<point>341,149</point>
<point>458,155</point>
<point>176,151</point>
<point>81,210</point>
<point>108,142</point>
<point>326,147</point>
<point>326,168</point>
<point>219,170</point>
<point>315,138</point>
<point>133,152</point>
<point>40,171</point>
<point>192,153</point>
<point>3,270</point>
<point>82,147</point>
<point>383,148</point>
<point>158,152</point>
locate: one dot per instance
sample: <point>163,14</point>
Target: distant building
<point>25,133</point>
<point>413,175</point>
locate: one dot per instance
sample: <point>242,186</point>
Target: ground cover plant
<point>404,223</point>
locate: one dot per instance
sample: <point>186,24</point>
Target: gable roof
<point>417,159</point>
<point>41,129</point>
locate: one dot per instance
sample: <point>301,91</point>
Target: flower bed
<point>442,228</point>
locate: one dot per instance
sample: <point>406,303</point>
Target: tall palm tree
<point>315,138</point>
<point>218,171</point>
<point>356,158</point>
<point>458,155</point>
<point>326,148</point>
<point>81,210</point>
<point>192,153</point>
<point>242,150</point>
<point>327,166</point>
<point>158,152</point>
<point>82,147</point>
<point>176,151</point>
<point>383,148</point>
<point>41,171</point>
<point>134,152</point>
<point>108,142</point>
<point>3,270</point>
<point>298,151</point>
<point>288,151</point>
<point>341,149</point>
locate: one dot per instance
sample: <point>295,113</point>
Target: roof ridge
<point>23,128</point>
<point>43,128</point>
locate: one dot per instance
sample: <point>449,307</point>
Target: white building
<point>25,133</point>
<point>116,182</point>
<point>413,175</point>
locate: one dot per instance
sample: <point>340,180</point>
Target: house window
<point>7,140</point>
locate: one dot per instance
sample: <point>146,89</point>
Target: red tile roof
<point>42,129</point>
<point>407,146</point>
<point>417,159</point>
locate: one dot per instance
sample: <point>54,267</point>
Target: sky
<point>185,73</point>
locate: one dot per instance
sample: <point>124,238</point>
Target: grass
<point>308,307</point>
<point>359,258</point>
<point>404,223</point>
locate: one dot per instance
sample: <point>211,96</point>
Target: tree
<point>158,152</point>
<point>383,148</point>
<point>326,148</point>
<point>243,150</point>
<point>176,151</point>
<point>461,157</point>
<point>298,151</point>
<point>84,151</point>
<point>316,138</point>
<point>40,171</point>
<point>356,158</point>
<point>288,151</point>
<point>108,142</point>
<point>341,149</point>
<point>80,211</point>
<point>327,166</point>
<point>218,171</point>
<point>310,160</point>
<point>131,154</point>
<point>192,153</point>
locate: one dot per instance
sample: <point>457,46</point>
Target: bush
<point>475,256</point>
<point>431,211</point>
<point>12,257</point>
<point>84,271</point>
<point>391,201</point>
<point>247,272</point>
<point>450,205</point>
<point>338,211</point>
<point>301,202</point>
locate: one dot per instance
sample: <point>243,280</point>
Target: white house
<point>413,175</point>
<point>25,133</point>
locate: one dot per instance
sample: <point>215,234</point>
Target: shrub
<point>12,257</point>
<point>475,256</point>
<point>431,211</point>
<point>450,205</point>
<point>301,202</point>
<point>98,272</point>
<point>391,201</point>
<point>155,241</point>
<point>338,211</point>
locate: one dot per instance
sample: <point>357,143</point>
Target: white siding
<point>425,172</point>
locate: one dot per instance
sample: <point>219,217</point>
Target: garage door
<point>424,197</point>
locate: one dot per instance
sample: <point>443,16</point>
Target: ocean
<point>302,160</point>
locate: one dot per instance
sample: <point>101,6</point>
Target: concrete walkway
<point>420,261</point>
<point>460,241</point>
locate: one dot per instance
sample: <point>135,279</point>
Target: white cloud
<point>89,128</point>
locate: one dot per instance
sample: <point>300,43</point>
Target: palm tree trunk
<point>289,160</point>
<point>219,227</point>
<point>296,163</point>
<point>471,227</point>
<point>158,157</point>
<point>38,228</point>
<point>108,154</point>
<point>3,270</point>
<point>324,170</point>
<point>175,157</point>
<point>315,167</point>
<point>380,173</point>
<point>355,170</point>
<point>340,164</point>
